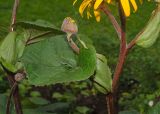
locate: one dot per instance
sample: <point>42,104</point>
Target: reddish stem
<point>132,43</point>
<point>10,97</point>
<point>112,99</point>
<point>112,19</point>
<point>112,103</point>
<point>123,51</point>
<point>16,97</point>
<point>14,14</point>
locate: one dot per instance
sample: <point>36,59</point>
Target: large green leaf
<point>40,25</point>
<point>103,74</point>
<point>53,61</point>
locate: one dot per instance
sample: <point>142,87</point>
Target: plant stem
<point>111,103</point>
<point>112,19</point>
<point>112,98</point>
<point>14,14</point>
<point>9,98</point>
<point>16,97</point>
<point>132,43</point>
<point>34,39</point>
<point>123,51</point>
<point>10,76</point>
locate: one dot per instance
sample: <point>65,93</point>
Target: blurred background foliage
<point>140,82</point>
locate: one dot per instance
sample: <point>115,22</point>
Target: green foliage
<point>38,101</point>
<point>39,25</point>
<point>54,61</point>
<point>8,51</point>
<point>21,40</point>
<point>56,108</point>
<point>103,74</point>
<point>155,109</point>
<point>82,110</point>
<point>150,33</point>
<point>104,38</point>
<point>13,45</point>
<point>66,96</point>
<point>129,112</point>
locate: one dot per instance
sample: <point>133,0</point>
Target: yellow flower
<point>87,4</point>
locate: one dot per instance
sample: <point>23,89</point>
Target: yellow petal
<point>83,6</point>
<point>97,4</point>
<point>126,7</point>
<point>133,2</point>
<point>97,15</point>
<point>108,1</point>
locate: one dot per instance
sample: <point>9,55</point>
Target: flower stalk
<point>112,97</point>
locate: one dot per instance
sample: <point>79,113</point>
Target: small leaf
<point>103,74</point>
<point>38,100</point>
<point>21,40</point>
<point>56,108</point>
<point>8,66</point>
<point>148,36</point>
<point>83,109</point>
<point>54,61</point>
<point>7,48</point>
<point>11,50</point>
<point>7,52</point>
<point>59,108</point>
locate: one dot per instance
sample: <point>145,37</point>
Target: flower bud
<point>69,26</point>
<point>19,77</point>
